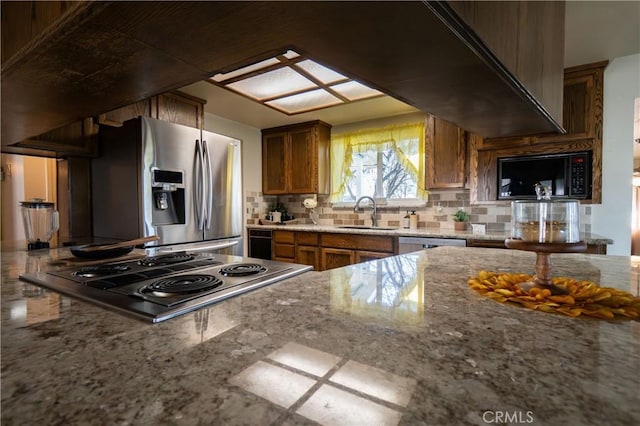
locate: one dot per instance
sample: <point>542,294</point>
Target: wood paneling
<point>528,38</point>
<point>25,21</point>
<point>103,55</point>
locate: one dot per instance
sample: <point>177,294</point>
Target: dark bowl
<point>106,253</point>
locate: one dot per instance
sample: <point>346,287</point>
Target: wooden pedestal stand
<point>543,251</point>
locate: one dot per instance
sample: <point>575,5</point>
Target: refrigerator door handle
<point>209,183</point>
<point>199,185</point>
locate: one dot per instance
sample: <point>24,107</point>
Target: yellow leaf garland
<point>584,298</point>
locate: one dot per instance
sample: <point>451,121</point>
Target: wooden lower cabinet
<point>336,258</point>
<point>307,255</point>
<point>327,251</point>
<point>284,249</point>
<point>346,249</point>
<point>307,250</point>
<point>365,256</point>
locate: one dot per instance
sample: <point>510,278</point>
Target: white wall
<point>612,218</point>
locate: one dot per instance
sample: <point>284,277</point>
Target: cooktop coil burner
<point>100,270</point>
<point>242,269</point>
<point>167,259</point>
<point>182,284</point>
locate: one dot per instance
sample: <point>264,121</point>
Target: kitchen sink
<point>379,228</point>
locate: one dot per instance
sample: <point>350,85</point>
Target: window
<point>386,163</point>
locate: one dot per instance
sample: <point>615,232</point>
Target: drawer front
<point>286,237</point>
<point>359,242</point>
<point>284,250</point>
<point>307,238</point>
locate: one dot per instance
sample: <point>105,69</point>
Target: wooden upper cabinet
<point>583,100</point>
<point>273,160</point>
<point>445,149</point>
<point>175,107</point>
<point>303,175</point>
<point>179,108</point>
<point>295,159</point>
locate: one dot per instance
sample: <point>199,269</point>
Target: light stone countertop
<point>588,237</point>
<point>401,340</point>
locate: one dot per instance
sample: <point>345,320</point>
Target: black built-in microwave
<point>567,174</point>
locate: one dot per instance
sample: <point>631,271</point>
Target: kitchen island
<point>401,340</point>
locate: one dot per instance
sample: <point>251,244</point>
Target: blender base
<point>37,245</point>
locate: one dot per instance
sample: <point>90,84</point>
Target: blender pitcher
<point>40,222</point>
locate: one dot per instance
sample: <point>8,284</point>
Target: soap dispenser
<point>413,220</point>
<point>406,221</point>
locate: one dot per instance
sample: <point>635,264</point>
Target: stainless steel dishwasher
<point>410,244</point>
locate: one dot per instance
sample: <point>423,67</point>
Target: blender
<point>40,222</point>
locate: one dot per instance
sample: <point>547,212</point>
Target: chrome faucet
<point>374,222</point>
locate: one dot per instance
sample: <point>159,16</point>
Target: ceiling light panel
<point>353,90</point>
<point>272,84</point>
<point>320,72</point>
<point>245,70</point>
<point>307,101</point>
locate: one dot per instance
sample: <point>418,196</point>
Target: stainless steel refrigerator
<point>158,178</point>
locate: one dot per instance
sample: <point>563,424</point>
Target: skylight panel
<point>353,90</point>
<point>292,83</point>
<point>307,101</point>
<point>245,70</point>
<point>272,84</point>
<point>290,54</point>
<point>320,72</point>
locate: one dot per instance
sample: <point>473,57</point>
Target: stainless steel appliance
<point>40,221</point>
<point>160,287</point>
<point>565,174</point>
<point>411,244</point>
<point>159,178</point>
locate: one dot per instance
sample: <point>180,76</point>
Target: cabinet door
<point>364,256</point>
<point>445,147</point>
<point>335,258</point>
<point>273,163</point>
<point>578,106</point>
<point>178,108</point>
<point>301,161</point>
<point>308,255</point>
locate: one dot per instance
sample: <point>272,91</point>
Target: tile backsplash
<point>435,214</point>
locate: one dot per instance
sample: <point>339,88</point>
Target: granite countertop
<point>401,340</point>
<point>587,237</point>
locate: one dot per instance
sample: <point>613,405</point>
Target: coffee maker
<point>40,222</point>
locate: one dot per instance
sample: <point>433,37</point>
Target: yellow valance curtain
<point>406,140</point>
